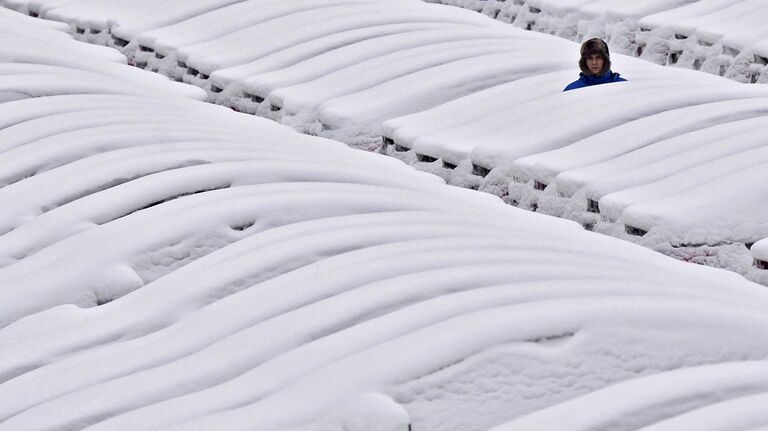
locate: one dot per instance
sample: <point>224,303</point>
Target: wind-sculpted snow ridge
<point>723,37</point>
<point>171,264</point>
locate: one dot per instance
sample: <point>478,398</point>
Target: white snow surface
<point>170,264</point>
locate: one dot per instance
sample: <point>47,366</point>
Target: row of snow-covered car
<point>723,37</point>
<point>334,67</point>
<point>170,264</point>
<point>655,160</point>
<point>477,102</point>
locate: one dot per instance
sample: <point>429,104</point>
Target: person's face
<point>595,63</point>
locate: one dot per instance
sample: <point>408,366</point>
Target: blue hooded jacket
<point>589,80</point>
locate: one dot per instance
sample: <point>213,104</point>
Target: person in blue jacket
<point>595,64</point>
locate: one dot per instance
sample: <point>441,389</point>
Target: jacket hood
<point>594,46</point>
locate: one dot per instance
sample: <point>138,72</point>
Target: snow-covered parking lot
<point>170,264</point>
<point>475,101</point>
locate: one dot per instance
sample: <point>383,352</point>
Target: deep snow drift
<point>170,264</point>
